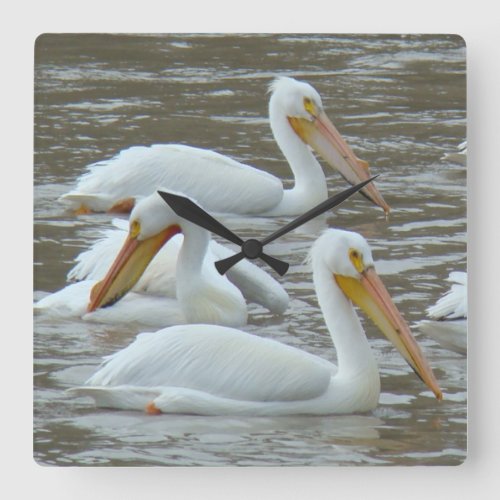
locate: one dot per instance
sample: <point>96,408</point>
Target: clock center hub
<point>252,249</point>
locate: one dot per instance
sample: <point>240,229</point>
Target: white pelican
<point>221,184</point>
<point>213,370</point>
<point>203,295</point>
<point>448,316</point>
<point>453,304</point>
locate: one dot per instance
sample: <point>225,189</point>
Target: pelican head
<point>348,258</point>
<point>301,104</point>
<point>152,223</point>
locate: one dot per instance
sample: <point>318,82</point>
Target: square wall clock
<point>250,250</point>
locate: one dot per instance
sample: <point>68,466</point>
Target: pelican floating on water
<point>453,304</point>
<point>184,270</point>
<point>214,370</point>
<point>448,316</point>
<point>221,184</point>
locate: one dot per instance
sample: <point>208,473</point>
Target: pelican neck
<point>354,354</point>
<point>193,250</point>
<point>309,180</point>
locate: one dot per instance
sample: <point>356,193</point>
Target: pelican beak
<point>321,135</point>
<point>128,267</point>
<point>370,294</point>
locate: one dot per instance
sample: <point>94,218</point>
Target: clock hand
<point>225,264</point>
<point>278,265</point>
<point>331,202</point>
<point>251,249</point>
<point>189,210</point>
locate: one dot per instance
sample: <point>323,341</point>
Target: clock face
<point>97,95</point>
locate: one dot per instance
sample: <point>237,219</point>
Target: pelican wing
<point>217,182</point>
<point>219,361</point>
<point>72,302</point>
<point>452,305</point>
<point>94,263</point>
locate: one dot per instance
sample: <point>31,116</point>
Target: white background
<point>476,21</point>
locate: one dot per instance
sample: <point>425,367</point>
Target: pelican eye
<point>309,106</point>
<point>135,228</point>
<point>357,260</point>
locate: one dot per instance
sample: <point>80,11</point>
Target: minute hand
<point>186,208</point>
<point>333,201</point>
<point>225,264</point>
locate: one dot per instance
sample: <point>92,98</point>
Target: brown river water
<point>400,103</point>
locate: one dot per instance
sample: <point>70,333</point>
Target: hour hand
<point>189,210</point>
<point>251,249</point>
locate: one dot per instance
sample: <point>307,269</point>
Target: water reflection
<point>400,103</point>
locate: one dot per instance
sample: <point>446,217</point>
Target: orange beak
<point>370,294</point>
<point>325,139</point>
<point>128,267</point>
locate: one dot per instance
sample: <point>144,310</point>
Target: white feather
<point>136,308</point>
<point>223,361</point>
<point>216,181</point>
<point>452,305</point>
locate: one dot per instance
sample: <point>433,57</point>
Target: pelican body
<point>214,370</point>
<point>203,295</point>
<point>221,184</point>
